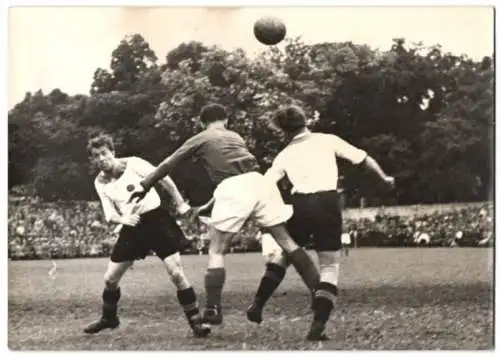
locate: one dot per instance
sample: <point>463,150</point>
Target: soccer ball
<point>269,30</point>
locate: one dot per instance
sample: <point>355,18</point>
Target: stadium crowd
<point>77,229</point>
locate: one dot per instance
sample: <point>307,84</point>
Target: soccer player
<point>346,242</point>
<point>241,192</point>
<point>145,226</point>
<point>310,162</point>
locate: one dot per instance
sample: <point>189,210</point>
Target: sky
<point>61,47</point>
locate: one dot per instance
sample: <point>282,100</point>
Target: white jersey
<point>346,238</point>
<point>114,194</point>
<point>310,162</point>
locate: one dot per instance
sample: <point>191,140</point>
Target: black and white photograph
<point>250,178</point>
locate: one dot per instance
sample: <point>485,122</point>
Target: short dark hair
<point>290,118</point>
<point>99,141</point>
<point>212,113</point>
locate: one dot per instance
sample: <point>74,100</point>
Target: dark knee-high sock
<point>187,299</point>
<point>110,300</point>
<point>324,300</point>
<point>214,283</point>
<point>269,283</point>
<point>305,267</point>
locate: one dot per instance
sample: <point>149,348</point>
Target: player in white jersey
<point>310,163</point>
<point>346,242</point>
<point>145,227</point>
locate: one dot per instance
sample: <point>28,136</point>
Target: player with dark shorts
<point>310,163</point>
<point>143,227</point>
<point>242,192</point>
<point>158,232</point>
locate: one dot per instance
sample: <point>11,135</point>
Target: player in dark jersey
<point>143,227</point>
<point>241,192</point>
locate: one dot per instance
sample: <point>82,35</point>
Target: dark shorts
<point>316,220</point>
<point>157,231</point>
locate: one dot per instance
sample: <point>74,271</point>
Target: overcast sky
<point>60,47</point>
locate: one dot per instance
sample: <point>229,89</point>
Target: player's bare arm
<point>187,150</point>
<point>372,165</point>
<point>359,157</point>
<point>174,192</point>
<point>143,168</point>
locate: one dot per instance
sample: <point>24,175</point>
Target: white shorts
<point>270,249</point>
<point>246,196</point>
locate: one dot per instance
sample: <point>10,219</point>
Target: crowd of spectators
<point>39,230</point>
<point>469,226</point>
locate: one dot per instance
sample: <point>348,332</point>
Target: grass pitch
<point>389,299</point>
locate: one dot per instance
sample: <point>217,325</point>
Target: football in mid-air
<point>269,30</point>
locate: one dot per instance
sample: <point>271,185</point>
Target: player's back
<point>310,161</point>
<point>225,154</point>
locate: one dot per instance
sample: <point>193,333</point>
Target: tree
<point>129,61</point>
<point>425,115</point>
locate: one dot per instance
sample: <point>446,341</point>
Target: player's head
<point>101,150</point>
<point>290,119</point>
<point>212,113</point>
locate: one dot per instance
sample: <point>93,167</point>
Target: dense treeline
<point>425,115</point>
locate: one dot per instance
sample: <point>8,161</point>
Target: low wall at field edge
<point>408,210</point>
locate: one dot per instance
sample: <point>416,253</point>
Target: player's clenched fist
<point>390,182</point>
<point>130,219</point>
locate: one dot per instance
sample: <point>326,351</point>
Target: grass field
<point>389,299</point>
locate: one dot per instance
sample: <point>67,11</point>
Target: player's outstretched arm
<point>143,168</point>
<point>372,165</point>
<point>357,156</point>
<point>160,172</point>
<point>184,152</point>
<point>181,204</point>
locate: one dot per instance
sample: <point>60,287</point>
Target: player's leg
<point>185,294</point>
<point>110,297</point>
<point>166,241</point>
<point>296,255</point>
<point>298,227</point>
<point>325,294</point>
<point>215,276</point>
<point>328,244</point>
<point>235,200</point>
<point>272,214</point>
<point>276,265</point>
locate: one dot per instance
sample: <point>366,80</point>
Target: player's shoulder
<point>326,136</point>
<point>201,137</point>
<point>331,139</point>
<point>134,160</point>
<point>131,159</point>
<point>100,180</point>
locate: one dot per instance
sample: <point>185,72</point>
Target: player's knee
<point>278,258</point>
<point>329,263</point>
<point>175,270</point>
<point>283,238</point>
<point>328,258</point>
<point>114,273</point>
<point>178,277</point>
<point>173,263</point>
<point>216,250</point>
<point>111,280</point>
